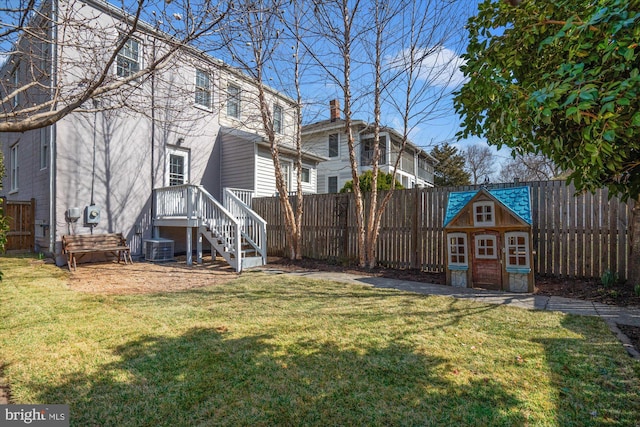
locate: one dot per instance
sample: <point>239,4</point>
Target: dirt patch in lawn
<point>146,277</point>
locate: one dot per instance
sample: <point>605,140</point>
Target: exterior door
<point>177,167</point>
<point>486,265</point>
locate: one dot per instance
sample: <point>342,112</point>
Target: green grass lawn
<point>281,350</point>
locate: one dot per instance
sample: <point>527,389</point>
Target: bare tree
<point>380,54</point>
<point>480,162</point>
<point>528,167</point>
<point>254,39</point>
<point>42,84</point>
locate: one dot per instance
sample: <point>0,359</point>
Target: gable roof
<point>515,199</point>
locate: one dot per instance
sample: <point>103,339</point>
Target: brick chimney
<point>334,109</point>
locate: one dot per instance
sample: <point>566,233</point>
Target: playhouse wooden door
<point>485,260</point>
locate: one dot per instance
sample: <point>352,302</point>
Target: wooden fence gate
<point>21,219</point>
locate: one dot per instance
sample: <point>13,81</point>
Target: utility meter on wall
<point>92,215</point>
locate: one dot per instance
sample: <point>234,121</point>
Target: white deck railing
<point>193,203</point>
<point>253,227</point>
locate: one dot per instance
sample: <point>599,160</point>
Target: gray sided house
<point>328,139</point>
<point>177,154</point>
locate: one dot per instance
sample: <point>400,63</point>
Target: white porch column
<point>189,246</point>
<point>199,247</point>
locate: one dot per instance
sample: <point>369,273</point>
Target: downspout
<point>153,132</point>
<point>53,131</point>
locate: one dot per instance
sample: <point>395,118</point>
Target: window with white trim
<point>286,175</point>
<point>457,249</point>
<point>277,118</point>
<point>484,213</point>
<point>44,148</point>
<point>203,89</point>
<point>517,249</point>
<point>306,175</point>
<point>334,148</point>
<point>128,61</point>
<point>486,247</point>
<point>233,101</point>
<point>177,166</point>
<point>15,80</point>
<point>15,169</point>
<point>332,184</point>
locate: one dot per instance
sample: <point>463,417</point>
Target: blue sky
<point>441,125</point>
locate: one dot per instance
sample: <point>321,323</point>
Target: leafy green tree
<point>449,171</point>
<point>385,181</point>
<point>561,79</point>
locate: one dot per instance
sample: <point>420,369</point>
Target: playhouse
<point>489,239</point>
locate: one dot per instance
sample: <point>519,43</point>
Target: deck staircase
<point>233,229</point>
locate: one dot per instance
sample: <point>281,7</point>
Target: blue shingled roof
<point>516,199</point>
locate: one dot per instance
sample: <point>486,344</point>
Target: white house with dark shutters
<point>177,155</point>
<point>328,139</point>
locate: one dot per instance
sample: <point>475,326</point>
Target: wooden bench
<point>77,245</point>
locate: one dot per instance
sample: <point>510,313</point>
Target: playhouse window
<point>486,247</point>
<point>483,213</point>
<point>457,245</point>
<point>517,248</point>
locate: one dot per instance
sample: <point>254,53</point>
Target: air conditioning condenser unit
<point>158,250</point>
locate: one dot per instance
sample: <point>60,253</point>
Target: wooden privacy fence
<point>20,218</point>
<point>574,235</point>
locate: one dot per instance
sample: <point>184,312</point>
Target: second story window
<point>233,101</point>
<point>277,118</point>
<point>334,148</point>
<point>203,89</point>
<point>128,61</point>
<point>15,81</point>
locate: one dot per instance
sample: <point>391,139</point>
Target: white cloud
<point>439,66</point>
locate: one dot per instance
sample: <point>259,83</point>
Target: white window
<point>177,166</point>
<point>233,101</point>
<point>203,89</point>
<point>15,80</point>
<point>486,247</point>
<point>277,118</point>
<point>14,168</point>
<point>128,61</point>
<point>457,249</point>
<point>306,175</point>
<point>517,249</point>
<point>332,184</point>
<point>44,148</point>
<point>483,213</point>
<point>334,148</point>
<point>286,175</point>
